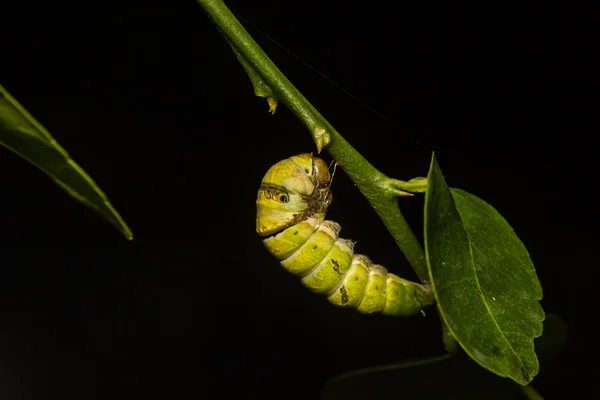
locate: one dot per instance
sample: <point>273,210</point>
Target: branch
<point>381,191</point>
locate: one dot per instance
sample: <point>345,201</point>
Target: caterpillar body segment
<point>291,206</point>
<point>325,278</point>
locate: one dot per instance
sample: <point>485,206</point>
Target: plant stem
<point>379,190</point>
<point>530,392</point>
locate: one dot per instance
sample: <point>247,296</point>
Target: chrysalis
<point>291,206</point>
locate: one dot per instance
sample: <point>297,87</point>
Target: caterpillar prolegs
<point>291,206</point>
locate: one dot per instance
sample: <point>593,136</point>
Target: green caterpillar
<point>291,206</point>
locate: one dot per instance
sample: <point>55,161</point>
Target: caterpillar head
<point>291,191</point>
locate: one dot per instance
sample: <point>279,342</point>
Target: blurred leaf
<point>553,341</point>
<point>484,282</point>
<point>21,133</point>
<point>445,377</point>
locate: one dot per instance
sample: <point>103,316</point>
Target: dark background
<point>150,100</point>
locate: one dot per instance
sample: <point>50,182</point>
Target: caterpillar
<point>292,201</point>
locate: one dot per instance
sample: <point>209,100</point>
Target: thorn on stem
<point>402,193</point>
<point>321,139</point>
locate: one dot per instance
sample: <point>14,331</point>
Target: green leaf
<point>21,133</point>
<point>445,377</point>
<point>484,281</point>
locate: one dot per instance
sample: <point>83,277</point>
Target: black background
<point>150,100</point>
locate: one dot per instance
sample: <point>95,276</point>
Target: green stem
<point>530,392</point>
<point>380,191</point>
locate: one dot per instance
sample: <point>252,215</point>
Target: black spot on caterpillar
<point>345,298</point>
<point>336,266</point>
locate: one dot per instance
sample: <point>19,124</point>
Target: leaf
<point>553,341</point>
<point>445,377</point>
<point>21,133</point>
<point>484,281</point>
